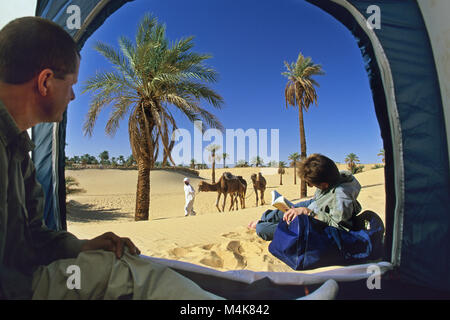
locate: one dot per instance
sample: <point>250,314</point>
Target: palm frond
<point>152,75</point>
<point>119,111</point>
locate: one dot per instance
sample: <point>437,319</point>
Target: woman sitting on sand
<point>334,202</point>
<point>324,230</point>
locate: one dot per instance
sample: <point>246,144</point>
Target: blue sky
<point>249,41</point>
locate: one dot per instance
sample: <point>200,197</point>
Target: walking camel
<point>227,184</point>
<point>259,183</point>
<point>240,193</point>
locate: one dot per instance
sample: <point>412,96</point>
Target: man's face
<point>60,96</point>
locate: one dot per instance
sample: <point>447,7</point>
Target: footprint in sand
<point>236,248</point>
<point>208,246</point>
<point>213,260</point>
<point>179,252</point>
<point>231,235</point>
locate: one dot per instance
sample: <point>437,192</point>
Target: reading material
<point>280,202</point>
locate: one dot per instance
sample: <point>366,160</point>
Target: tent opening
<point>105,198</point>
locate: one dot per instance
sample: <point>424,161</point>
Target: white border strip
<point>397,146</point>
<point>350,273</point>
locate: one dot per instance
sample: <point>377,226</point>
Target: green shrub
<point>71,184</point>
<point>357,169</point>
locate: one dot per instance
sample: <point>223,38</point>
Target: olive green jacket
<point>337,205</point>
<point>25,242</point>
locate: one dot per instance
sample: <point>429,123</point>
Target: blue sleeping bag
<point>307,243</point>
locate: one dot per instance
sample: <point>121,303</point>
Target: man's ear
<point>44,80</point>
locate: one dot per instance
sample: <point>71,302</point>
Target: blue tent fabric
<point>425,224</point>
<point>49,154</point>
<point>42,137</point>
<point>307,243</point>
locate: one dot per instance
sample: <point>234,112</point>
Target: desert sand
<point>219,240</point>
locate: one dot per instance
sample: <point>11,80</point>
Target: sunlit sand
<point>220,240</point>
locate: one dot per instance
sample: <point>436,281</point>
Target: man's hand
<point>111,242</point>
<point>293,212</point>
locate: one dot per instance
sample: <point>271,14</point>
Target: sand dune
<point>213,239</point>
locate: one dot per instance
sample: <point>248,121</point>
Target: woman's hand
<point>293,212</point>
<point>111,242</point>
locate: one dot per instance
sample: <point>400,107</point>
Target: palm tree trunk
<point>145,161</point>
<point>143,191</point>
<point>281,179</point>
<point>303,189</point>
<point>295,172</point>
<point>213,166</point>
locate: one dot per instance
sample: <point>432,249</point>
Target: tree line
<point>103,159</point>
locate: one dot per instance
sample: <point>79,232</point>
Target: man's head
<point>319,171</point>
<point>39,53</point>
<point>186,181</point>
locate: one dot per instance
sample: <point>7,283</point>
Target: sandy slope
<point>218,240</point>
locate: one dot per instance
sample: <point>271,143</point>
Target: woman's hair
<point>29,45</point>
<point>317,169</point>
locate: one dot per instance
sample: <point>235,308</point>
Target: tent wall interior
<point>409,79</point>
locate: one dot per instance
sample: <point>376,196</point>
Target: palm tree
<point>104,157</point>
<point>257,161</point>
<point>130,161</point>
<point>213,149</point>
<point>224,157</point>
<point>88,159</point>
<point>294,158</point>
<point>300,92</point>
<point>351,160</point>
<point>381,153</point>
<point>149,76</point>
<point>192,163</point>
<point>281,171</point>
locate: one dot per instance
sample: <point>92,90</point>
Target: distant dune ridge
<point>218,240</point>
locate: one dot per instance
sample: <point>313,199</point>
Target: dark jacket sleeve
<point>14,284</point>
<point>51,245</point>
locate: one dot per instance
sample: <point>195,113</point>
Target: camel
<point>241,191</point>
<point>259,183</point>
<point>226,185</point>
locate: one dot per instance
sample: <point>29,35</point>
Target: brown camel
<point>241,190</point>
<point>259,183</point>
<point>226,185</point>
